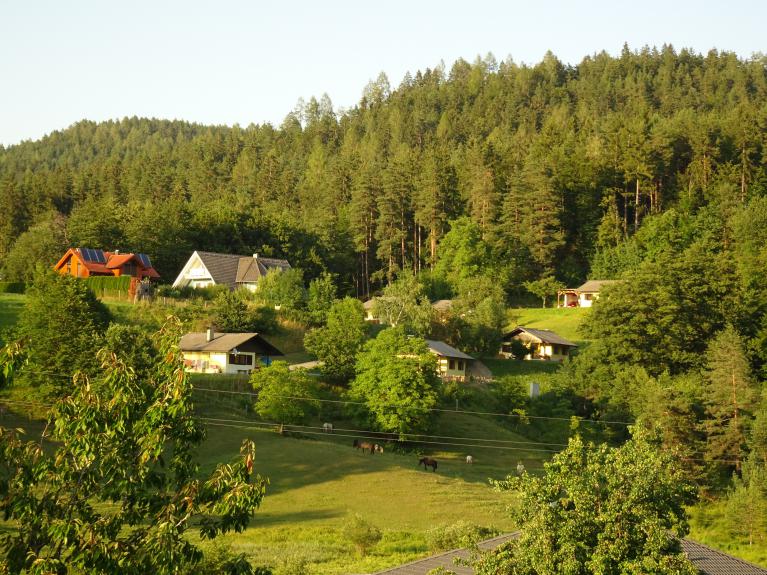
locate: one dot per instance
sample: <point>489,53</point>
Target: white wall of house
<point>209,362</point>
<point>194,274</point>
<point>587,299</point>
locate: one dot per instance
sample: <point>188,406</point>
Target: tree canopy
<point>115,488</point>
<point>599,509</point>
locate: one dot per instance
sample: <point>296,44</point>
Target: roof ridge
<point>220,254</point>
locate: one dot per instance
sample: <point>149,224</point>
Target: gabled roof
<point>223,342</point>
<point>707,560</point>
<point>441,348</point>
<point>544,335</point>
<point>251,270</point>
<point>595,286</point>
<point>442,305</point>
<point>221,267</point>
<point>232,269</point>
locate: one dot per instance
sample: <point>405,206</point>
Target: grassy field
<point>563,321</point>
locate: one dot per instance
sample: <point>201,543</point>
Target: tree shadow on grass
<point>267,519</point>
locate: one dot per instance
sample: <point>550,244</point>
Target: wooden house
<point>229,353</point>
<point>204,269</point>
<point>452,364</point>
<point>583,296</point>
<point>87,262</point>
<point>542,344</point>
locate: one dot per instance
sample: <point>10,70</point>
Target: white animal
<point>327,427</point>
<point>469,459</point>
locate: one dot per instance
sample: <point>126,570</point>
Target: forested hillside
<point>556,165</point>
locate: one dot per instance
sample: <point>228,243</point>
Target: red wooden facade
<point>86,262</point>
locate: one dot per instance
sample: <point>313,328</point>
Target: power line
<point>437,409</point>
<point>238,424</point>
<point>362,403</point>
<point>288,428</point>
<point>387,435</point>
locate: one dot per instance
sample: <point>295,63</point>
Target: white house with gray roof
<point>583,296</point>
<point>230,353</point>
<point>205,269</point>
<point>543,344</point>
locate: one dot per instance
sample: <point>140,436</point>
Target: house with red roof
<point>87,262</point>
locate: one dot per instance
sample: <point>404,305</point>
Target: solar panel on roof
<point>144,260</point>
<point>86,253</point>
<point>98,256</point>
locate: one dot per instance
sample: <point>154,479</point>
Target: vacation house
<point>452,364</point>
<point>205,269</point>
<point>583,296</point>
<point>87,262</point>
<point>230,353</point>
<point>542,344</point>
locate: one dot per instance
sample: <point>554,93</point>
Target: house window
<point>78,268</point>
<point>240,359</point>
<point>69,266</point>
<point>452,364</point>
<point>555,349</point>
<point>129,269</point>
<point>460,365</point>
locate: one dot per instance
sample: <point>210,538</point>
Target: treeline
<point>554,163</point>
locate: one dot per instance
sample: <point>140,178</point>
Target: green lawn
<point>316,483</point>
<point>563,321</point>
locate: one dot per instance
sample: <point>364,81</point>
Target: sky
<point>243,62</point>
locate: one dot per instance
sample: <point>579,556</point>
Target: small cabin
<point>228,353</point>
<point>583,296</point>
<point>452,364</point>
<point>543,344</point>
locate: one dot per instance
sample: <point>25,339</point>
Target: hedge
<point>101,284</point>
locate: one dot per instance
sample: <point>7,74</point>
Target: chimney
<point>116,252</point>
<point>255,256</point>
<point>209,334</point>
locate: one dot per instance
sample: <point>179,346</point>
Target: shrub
<point>12,287</point>
<point>362,534</point>
<point>459,534</point>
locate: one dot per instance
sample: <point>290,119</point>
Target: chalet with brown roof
<point>204,269</point>
<point>543,344</point>
<point>583,296</point>
<point>229,353</point>
<point>87,262</point>
<point>452,364</point>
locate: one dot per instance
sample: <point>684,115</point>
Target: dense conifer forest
<point>554,163</point>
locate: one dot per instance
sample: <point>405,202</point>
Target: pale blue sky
<point>227,61</point>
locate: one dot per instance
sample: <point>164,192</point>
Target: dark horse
<point>365,445</point>
<point>428,462</point>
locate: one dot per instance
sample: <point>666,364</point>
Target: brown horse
<point>428,462</point>
<point>366,445</point>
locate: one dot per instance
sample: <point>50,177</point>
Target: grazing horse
<point>428,462</point>
<point>365,445</point>
<point>327,427</point>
